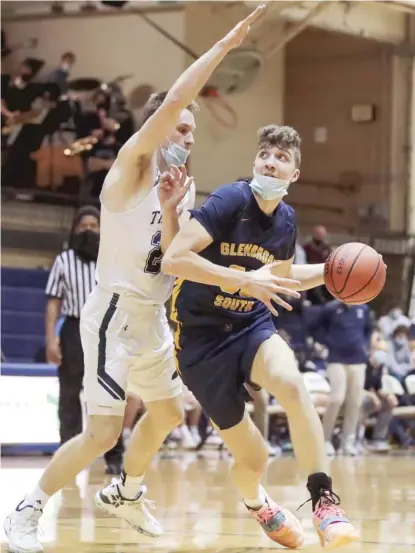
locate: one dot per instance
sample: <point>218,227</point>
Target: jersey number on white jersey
<point>154,257</point>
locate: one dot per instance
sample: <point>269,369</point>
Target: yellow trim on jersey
<point>176,337</point>
<point>175,294</point>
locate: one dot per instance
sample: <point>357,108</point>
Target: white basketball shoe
<point>21,528</point>
<point>134,511</point>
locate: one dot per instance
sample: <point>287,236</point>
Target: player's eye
<point>263,155</point>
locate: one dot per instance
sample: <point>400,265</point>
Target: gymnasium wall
<point>312,84</point>
<point>348,162</point>
<point>222,154</point>
<point>107,46</point>
<point>111,45</point>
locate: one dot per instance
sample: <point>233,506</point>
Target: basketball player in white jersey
<point>125,337</point>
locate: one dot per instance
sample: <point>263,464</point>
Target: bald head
<point>319,233</point>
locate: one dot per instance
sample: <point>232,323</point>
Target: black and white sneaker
<point>134,511</point>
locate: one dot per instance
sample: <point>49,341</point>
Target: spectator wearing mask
<point>71,280</point>
<point>317,250</point>
<point>377,403</point>
<point>392,319</point>
<point>399,358</point>
<point>60,75</point>
<point>300,257</point>
<point>346,331</point>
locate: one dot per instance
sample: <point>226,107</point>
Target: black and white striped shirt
<point>71,280</point>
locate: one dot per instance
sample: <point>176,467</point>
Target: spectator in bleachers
<point>317,250</point>
<point>261,417</point>
<point>412,336</point>
<point>400,362</point>
<point>346,331</point>
<point>300,257</point>
<point>377,403</point>
<point>188,432</point>
<point>294,325</point>
<point>392,319</point>
<point>399,358</point>
<point>377,340</point>
<point>61,74</point>
<point>71,280</point>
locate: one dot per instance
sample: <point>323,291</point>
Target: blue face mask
<point>269,188</point>
<point>175,154</point>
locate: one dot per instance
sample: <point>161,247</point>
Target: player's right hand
<point>53,352</point>
<point>173,187</point>
<point>265,287</point>
<point>234,38</point>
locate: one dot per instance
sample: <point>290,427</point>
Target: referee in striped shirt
<point>71,280</point>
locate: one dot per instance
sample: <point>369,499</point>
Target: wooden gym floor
<point>200,510</point>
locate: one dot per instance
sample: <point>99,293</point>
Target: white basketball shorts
<point>128,347</point>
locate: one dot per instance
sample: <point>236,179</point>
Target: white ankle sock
<point>129,485</point>
<point>259,501</point>
<point>39,497</point>
<point>126,433</point>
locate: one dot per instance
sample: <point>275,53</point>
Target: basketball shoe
<point>134,511</point>
<point>330,522</point>
<point>279,524</point>
<point>21,528</point>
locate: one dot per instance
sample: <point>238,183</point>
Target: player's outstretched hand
<point>173,187</point>
<point>234,38</point>
<point>265,287</point>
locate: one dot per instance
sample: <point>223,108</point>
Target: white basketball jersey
<point>130,256</point>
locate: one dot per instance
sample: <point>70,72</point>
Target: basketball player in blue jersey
<point>233,259</point>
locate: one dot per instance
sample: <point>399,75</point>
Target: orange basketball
<point>354,273</point>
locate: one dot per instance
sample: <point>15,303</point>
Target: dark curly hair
<point>282,137</point>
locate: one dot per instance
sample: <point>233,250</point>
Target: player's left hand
<point>173,187</point>
<point>236,36</point>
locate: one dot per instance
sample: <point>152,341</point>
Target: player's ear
<point>296,175</point>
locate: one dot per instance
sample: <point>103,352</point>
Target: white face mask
<point>400,340</point>
<point>269,188</point>
<point>396,313</point>
<point>379,357</point>
<point>175,154</point>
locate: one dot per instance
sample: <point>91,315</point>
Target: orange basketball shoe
<point>332,526</point>
<point>279,524</point>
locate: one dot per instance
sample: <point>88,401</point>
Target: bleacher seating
<point>23,312</point>
<point>315,383</point>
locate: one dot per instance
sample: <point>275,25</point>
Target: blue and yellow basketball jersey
<point>244,238</point>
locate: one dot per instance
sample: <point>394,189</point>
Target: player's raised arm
<point>185,89</point>
<point>134,171</point>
